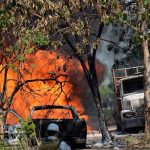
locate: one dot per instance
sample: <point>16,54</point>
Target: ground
<point>124,141</point>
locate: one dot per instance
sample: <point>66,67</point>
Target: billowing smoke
<point>110,37</point>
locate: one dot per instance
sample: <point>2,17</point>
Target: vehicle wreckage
<point>129,103</point>
<point>73,130</point>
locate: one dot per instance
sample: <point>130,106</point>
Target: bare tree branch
<point>5,82</point>
<point>114,43</point>
<point>19,85</point>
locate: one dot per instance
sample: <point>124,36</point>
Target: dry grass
<point>134,143</point>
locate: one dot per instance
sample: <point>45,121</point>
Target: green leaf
<point>12,67</point>
<point>26,128</point>
<point>146,2</point>
<point>30,50</point>
<point>21,58</point>
<point>106,91</point>
<point>3,100</point>
<point>66,12</point>
<point>124,17</point>
<point>40,39</point>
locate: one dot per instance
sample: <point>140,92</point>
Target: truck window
<point>53,114</point>
<point>133,85</point>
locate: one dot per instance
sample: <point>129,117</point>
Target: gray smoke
<point>106,57</point>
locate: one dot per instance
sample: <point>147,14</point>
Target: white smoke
<point>106,57</point>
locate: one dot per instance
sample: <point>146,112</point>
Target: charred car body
<point>129,104</point>
<point>73,129</point>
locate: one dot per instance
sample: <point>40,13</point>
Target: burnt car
<point>73,129</point>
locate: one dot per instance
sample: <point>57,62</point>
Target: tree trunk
<point>91,77</point>
<point>2,96</point>
<point>147,90</point>
<point>106,137</point>
<point>93,84</point>
<point>147,81</point>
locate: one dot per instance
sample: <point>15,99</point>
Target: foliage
<point>138,21</point>
<point>75,23</point>
<point>53,21</point>
<point>106,91</point>
<point>130,17</point>
<point>26,129</point>
<point>40,39</point>
<point>108,112</point>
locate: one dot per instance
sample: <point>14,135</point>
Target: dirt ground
<point>123,141</point>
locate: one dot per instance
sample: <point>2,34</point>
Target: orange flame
<point>44,64</point>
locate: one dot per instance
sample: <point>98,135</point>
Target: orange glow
<point>53,114</point>
<point>45,64</point>
<point>42,65</point>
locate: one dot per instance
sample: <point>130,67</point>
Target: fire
<point>45,64</point>
<point>41,65</point>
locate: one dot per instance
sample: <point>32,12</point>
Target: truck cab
<point>129,103</point>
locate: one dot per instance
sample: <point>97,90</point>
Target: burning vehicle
<point>73,130</point>
<point>49,92</point>
<point>129,104</point>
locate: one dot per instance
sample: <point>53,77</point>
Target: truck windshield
<point>53,114</point>
<point>133,85</point>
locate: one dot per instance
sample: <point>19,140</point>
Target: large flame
<point>45,64</point>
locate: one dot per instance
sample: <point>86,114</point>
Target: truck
<point>129,98</point>
<point>73,130</point>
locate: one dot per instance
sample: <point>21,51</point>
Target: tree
<point>74,25</point>
<point>78,24</point>
<point>135,16</point>
<point>17,43</point>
